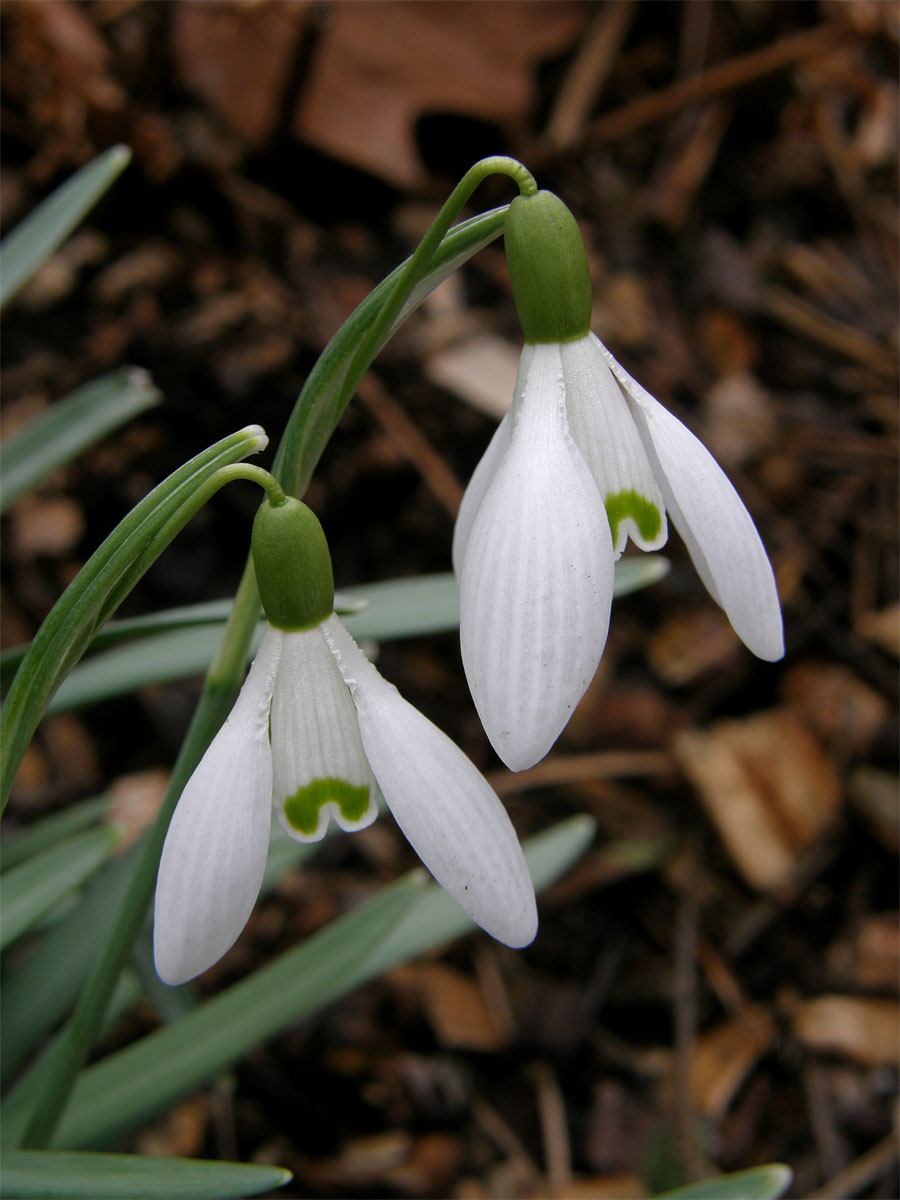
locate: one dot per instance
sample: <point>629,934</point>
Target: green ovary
<point>643,512</point>
<point>303,808</point>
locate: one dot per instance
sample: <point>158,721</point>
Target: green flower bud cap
<point>548,267</point>
<point>293,566</point>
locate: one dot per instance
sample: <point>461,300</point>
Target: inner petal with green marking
<point>631,505</point>
<point>304,807</point>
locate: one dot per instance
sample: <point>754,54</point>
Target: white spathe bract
<point>336,728</point>
<point>584,459</point>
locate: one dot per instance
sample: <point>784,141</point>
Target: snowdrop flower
<point>584,459</point>
<point>313,731</point>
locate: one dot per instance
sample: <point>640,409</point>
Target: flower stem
<point>70,1049</point>
<point>418,263</point>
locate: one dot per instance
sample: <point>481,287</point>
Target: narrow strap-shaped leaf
<point>758,1183</point>
<point>51,1174</point>
<point>29,891</point>
<point>392,609</point>
<point>179,1057</point>
<point>45,985</point>
<point>59,433</point>
<point>49,830</point>
<point>133,1084</point>
<point>33,241</point>
<point>67,631</point>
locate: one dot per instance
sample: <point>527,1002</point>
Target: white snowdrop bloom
<point>313,731</point>
<point>584,459</point>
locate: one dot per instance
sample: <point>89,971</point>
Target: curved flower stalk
<point>584,459</point>
<point>313,731</point>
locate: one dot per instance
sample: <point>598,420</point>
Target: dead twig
<point>589,70</point>
<point>851,1181</point>
<point>582,768</point>
<point>726,77</point>
<point>412,444</point>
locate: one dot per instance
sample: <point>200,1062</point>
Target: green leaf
<point>633,574</point>
<point>758,1183</point>
<point>29,891</point>
<point>45,985</point>
<point>329,388</point>
<point>400,922</point>
<point>70,425</point>
<point>181,642</point>
<point>437,918</point>
<point>47,832</point>
<point>33,241</point>
<point>102,584</point>
<point>120,1092</point>
<point>45,1175</point>
<point>43,989</point>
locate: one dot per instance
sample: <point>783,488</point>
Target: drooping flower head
<point>314,730</point>
<point>584,459</point>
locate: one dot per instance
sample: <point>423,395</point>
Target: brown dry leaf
<point>725,1056</point>
<point>150,265</point>
<point>843,710</point>
<point>59,36</point>
<point>52,526</point>
<point>135,801</point>
<point>870,960</point>
<point>740,419</point>
<point>180,1134</point>
<point>691,644</point>
<point>431,1167</point>
<point>766,785</point>
<point>237,56</point>
<point>866,1030</point>
<point>624,312</point>
<point>457,1009</point>
<point>622,1185</point>
<point>480,370</point>
<point>727,344</point>
<point>362,1160</point>
<point>381,66</point>
<point>62,759</point>
<point>874,794</point>
<point>883,628</point>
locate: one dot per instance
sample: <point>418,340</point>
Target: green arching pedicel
<point>293,566</point>
<point>548,268</point>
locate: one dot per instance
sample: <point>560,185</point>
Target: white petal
<point>481,480</point>
<point>601,423</point>
<point>445,807</point>
<point>319,765</point>
<point>536,584</point>
<point>711,518</point>
<point>215,852</point>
